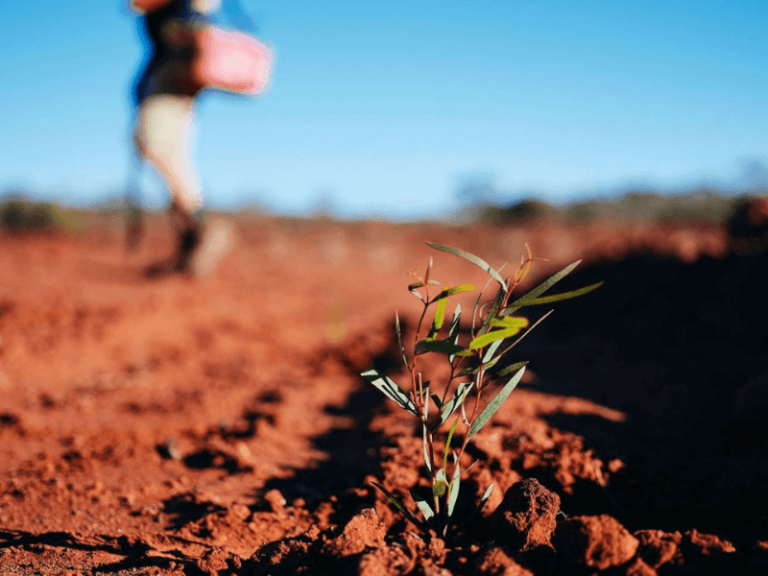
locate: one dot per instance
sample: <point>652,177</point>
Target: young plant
<point>474,370</point>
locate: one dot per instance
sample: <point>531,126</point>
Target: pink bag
<point>231,61</point>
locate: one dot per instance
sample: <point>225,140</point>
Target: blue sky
<point>385,108</point>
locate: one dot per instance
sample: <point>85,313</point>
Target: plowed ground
<point>221,427</point>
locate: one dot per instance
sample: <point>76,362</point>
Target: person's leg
<point>163,136</point>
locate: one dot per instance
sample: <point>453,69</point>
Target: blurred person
<point>164,95</point>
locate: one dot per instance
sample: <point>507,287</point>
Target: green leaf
<point>425,445</point>
<point>424,507</point>
<point>439,316</point>
<point>563,295</point>
<point>485,339</point>
<point>453,489</point>
<point>488,364</point>
<point>455,290</point>
<point>419,296</point>
<point>509,369</point>
<point>441,346</point>
<point>391,390</point>
<point>471,370</point>
<point>400,339</point>
<point>540,289</point>
<point>509,322</point>
<point>439,489</point>
<point>479,507</point>
<point>495,404</point>
<point>488,360</point>
<point>484,499</point>
<point>453,333</point>
<point>458,399</point>
<point>448,441</point>
<point>397,504</point>
<point>412,288</point>
<point>493,312</point>
<point>468,370</point>
<point>472,258</point>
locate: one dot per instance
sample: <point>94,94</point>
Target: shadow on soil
<point>680,350</point>
<point>135,551</point>
<point>352,451</point>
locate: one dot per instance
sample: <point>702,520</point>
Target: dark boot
<point>189,228</point>
<point>189,240</point>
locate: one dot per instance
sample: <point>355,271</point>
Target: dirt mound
<point>218,428</point>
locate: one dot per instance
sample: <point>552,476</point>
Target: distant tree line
<point>703,205</point>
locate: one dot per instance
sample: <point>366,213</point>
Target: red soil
<point>221,427</point>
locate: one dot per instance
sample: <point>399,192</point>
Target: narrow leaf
<point>425,445</point>
<point>485,339</point>
<point>400,339</point>
<point>391,390</point>
<point>455,290</point>
<point>509,322</point>
<point>453,333</point>
<point>493,312</point>
<point>484,499</point>
<point>495,404</point>
<point>490,352</point>
<point>563,295</point>
<point>424,507</point>
<point>468,370</point>
<point>397,504</point>
<point>448,441</point>
<point>453,489</point>
<point>541,288</point>
<point>441,346</point>
<point>472,258</point>
<point>439,315</point>
<point>508,370</point>
<point>458,400</point>
<point>480,506</point>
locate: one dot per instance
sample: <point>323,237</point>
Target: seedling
<point>475,370</point>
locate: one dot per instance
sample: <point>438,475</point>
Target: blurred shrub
<point>528,209</point>
<point>747,223</point>
<point>701,205</point>
<point>19,215</point>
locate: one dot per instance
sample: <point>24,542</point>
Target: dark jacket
<point>166,71</point>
